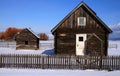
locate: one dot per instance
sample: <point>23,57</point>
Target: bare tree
<point>10,33</point>
<point>43,36</point>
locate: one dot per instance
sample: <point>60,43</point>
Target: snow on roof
<point>33,32</point>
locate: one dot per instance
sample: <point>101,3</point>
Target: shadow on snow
<point>49,52</point>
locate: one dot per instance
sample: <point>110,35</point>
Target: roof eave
<point>66,17</point>
<point>109,30</point>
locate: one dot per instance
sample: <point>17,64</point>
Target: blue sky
<point>43,15</point>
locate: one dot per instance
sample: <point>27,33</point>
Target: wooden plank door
<point>80,44</point>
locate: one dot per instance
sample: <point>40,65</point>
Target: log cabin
<point>81,32</point>
<point>27,39</point>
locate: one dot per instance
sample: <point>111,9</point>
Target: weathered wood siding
<point>66,44</point>
<point>94,46</point>
<point>26,35</point>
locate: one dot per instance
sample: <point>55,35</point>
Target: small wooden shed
<point>27,39</point>
<point>81,32</point>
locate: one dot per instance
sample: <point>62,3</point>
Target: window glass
<point>80,38</point>
<point>81,21</point>
<point>26,42</point>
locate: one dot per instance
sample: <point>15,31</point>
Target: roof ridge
<point>32,32</point>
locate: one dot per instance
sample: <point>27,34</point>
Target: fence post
<point>85,60</point>
<point>119,62</point>
<point>69,61</point>
<point>26,61</point>
<point>42,61</point>
<point>0,60</point>
<point>48,62</point>
<point>100,62</point>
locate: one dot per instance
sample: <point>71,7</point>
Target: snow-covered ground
<point>115,50</point>
<point>40,72</point>
<point>14,51</point>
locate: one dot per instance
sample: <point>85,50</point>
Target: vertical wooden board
<point>37,61</point>
<point>116,65</point>
<point>80,62</point>
<point>0,60</point>
<point>116,62</point>
<point>112,63</point>
<point>43,62</point>
<point>52,61</point>
<point>63,62</point>
<point>68,62</point>
<point>107,62</point>
<point>36,57</point>
<point>48,61</point>
<point>103,60</point>
<point>119,62</point>
<point>91,62</point>
<point>60,61</point>
<point>110,59</point>
<point>99,62</point>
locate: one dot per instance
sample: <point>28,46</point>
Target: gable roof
<point>29,29</point>
<point>89,9</point>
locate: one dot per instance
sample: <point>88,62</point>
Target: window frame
<point>78,21</point>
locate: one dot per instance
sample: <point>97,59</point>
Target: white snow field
<point>14,51</point>
<point>56,72</point>
<point>114,48</point>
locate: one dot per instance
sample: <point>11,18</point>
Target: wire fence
<point>42,44</point>
<point>113,46</point>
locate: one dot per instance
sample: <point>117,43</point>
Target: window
<point>81,21</point>
<point>80,38</point>
<point>26,42</point>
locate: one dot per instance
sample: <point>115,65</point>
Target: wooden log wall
<point>66,44</point>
